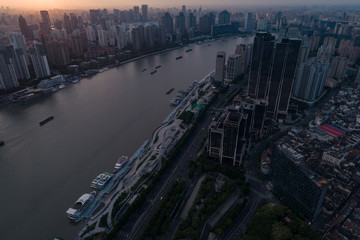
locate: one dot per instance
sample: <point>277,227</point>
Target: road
<point>176,171</point>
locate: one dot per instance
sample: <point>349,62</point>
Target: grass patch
<point>186,116</point>
<point>140,181</point>
<point>118,204</point>
<point>103,221</point>
<point>139,165</point>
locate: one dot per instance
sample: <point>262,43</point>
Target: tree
<point>280,232</point>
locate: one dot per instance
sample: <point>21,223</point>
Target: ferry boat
<point>170,91</point>
<point>158,67</point>
<point>179,57</point>
<point>175,101</point>
<point>46,120</point>
<point>101,180</point>
<point>120,163</point>
<point>153,72</point>
<point>80,205</point>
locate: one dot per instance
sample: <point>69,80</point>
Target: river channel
<point>43,170</point>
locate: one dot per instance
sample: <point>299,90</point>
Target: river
<point>43,170</point>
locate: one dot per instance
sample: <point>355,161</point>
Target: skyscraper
<point>8,77</point>
<point>338,67</point>
<point>102,35</point>
<point>24,28</point>
<point>120,37</point>
<point>310,79</point>
<point>261,24</point>
<point>341,68</point>
<point>261,63</point>
<point>144,12</point>
<point>180,23</point>
<point>282,78</point>
<point>227,138</point>
<point>248,21</point>
<point>45,17</point>
<point>136,39</point>
<point>90,33</point>
<point>220,68</point>
<point>244,50</point>
<point>224,17</point>
<point>206,22</point>
<point>17,41</point>
<point>58,52</point>
<point>296,183</point>
<point>272,72</point>
<point>17,58</point>
<point>191,21</point>
<point>233,68</point>
<point>39,60</point>
<point>136,13</point>
<point>94,15</point>
<point>67,24</point>
<point>183,9</point>
<point>74,20</point>
<point>167,23</point>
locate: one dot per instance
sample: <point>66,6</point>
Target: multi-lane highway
<point>176,170</point>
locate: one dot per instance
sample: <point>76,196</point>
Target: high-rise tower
<point>272,72</point>
<point>220,68</point>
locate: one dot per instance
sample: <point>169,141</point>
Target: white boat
<point>80,205</point>
<point>96,180</point>
<point>101,180</point>
<point>120,163</point>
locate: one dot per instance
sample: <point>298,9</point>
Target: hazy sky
<point>86,4</point>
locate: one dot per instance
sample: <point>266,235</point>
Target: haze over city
<point>195,120</point>
<point>86,4</point>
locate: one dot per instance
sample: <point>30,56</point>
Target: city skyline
<point>82,4</point>
<point>180,120</point>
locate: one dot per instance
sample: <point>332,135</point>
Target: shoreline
<point>146,55</point>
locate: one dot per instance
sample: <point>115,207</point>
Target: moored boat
<point>120,163</point>
<point>101,180</point>
<point>80,205</point>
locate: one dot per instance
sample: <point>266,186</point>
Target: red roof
<point>332,131</point>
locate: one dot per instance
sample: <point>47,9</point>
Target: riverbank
<point>96,121</point>
<point>164,140</point>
